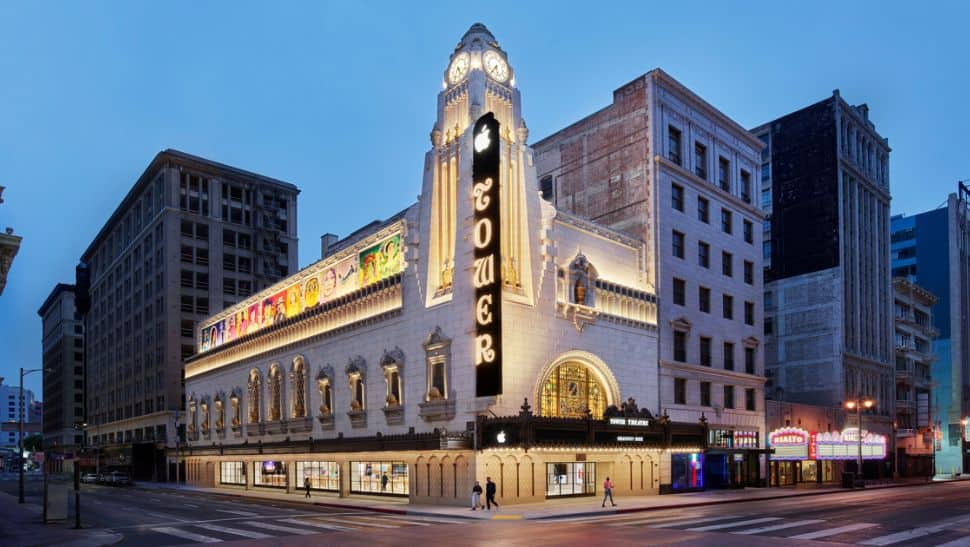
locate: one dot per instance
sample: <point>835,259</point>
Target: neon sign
<point>486,237</point>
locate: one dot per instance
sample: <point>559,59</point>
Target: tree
<point>34,443</point>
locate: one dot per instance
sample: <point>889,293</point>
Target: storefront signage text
<point>634,422</point>
<point>486,235</point>
<point>629,438</point>
<point>791,443</point>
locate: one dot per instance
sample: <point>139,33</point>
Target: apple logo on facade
<point>500,437</point>
<point>482,141</point>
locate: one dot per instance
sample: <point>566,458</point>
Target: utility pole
<point>177,449</point>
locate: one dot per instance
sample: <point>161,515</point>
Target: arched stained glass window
<point>569,390</point>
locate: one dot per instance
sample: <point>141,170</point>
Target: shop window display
<point>322,475</point>
<point>269,473</point>
<point>232,473</point>
<point>687,471</point>
<point>388,478</point>
<point>570,479</point>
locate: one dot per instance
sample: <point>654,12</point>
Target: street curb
<point>390,511</point>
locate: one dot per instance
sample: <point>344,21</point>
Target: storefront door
<point>570,479</point>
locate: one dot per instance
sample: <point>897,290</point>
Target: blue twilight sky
<point>339,98</point>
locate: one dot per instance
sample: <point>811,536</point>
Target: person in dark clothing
<point>306,484</point>
<point>490,494</point>
<point>384,482</point>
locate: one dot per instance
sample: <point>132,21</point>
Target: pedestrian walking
<point>608,492</point>
<point>490,494</point>
<point>476,496</point>
<point>306,484</point>
<point>384,482</point>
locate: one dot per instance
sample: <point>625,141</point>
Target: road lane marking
<point>317,524</point>
<point>774,527</point>
<point>962,542</point>
<point>398,520</point>
<point>185,534</point>
<point>279,528</point>
<point>914,533</point>
<point>834,531</point>
<point>240,513</point>
<point>165,516</point>
<point>669,522</point>
<point>732,524</point>
<point>190,505</point>
<point>234,531</point>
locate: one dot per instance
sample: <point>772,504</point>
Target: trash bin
<point>848,479</point>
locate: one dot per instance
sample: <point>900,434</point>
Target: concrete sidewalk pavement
<point>22,526</point>
<point>549,509</point>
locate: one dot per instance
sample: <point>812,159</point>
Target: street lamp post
<point>176,449</point>
<point>20,456</point>
<point>857,406</point>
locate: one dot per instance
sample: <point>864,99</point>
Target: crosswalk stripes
<point>672,521</point>
<point>315,524</point>
<point>732,524</point>
<point>775,527</point>
<point>281,528</point>
<point>914,533</point>
<point>234,531</point>
<point>818,534</point>
<point>962,542</point>
<point>185,534</point>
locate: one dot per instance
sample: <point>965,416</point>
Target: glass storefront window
<point>322,475</point>
<point>390,478</point>
<point>232,473</point>
<point>269,473</point>
<point>686,471</point>
<point>570,479</point>
<point>809,471</point>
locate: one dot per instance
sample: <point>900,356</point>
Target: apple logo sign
<point>482,141</point>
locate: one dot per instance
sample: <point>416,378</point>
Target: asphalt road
<point>921,515</point>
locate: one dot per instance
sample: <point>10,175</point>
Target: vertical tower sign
<point>487,237</point>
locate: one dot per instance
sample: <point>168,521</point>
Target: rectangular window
<point>749,313</point>
<point>680,346</point>
<point>749,272</point>
<point>728,356</point>
<point>232,473</point>
<point>678,244</point>
<point>727,263</point>
<point>386,478</point>
<point>705,351</point>
<point>769,325</point>
<point>271,474</point>
<point>769,299</point>
<point>724,174</point>
<point>322,475</point>
<point>703,254</point>
<point>749,360</point>
<point>680,391</point>
<point>700,160</point>
<point>745,186</point>
<point>726,221</point>
<point>766,198</point>
<point>680,290</point>
<point>677,197</point>
<point>766,251</point>
<point>703,210</point>
<point>748,231</point>
<point>705,394</point>
<point>673,144</point>
<point>704,299</point>
<point>727,306</point>
<point>749,401</point>
<point>728,396</point>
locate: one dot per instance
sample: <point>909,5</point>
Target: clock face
<point>495,66</point>
<point>459,68</point>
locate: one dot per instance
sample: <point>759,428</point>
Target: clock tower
<point>478,80</point>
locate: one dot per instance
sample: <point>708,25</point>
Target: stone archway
<point>591,374</point>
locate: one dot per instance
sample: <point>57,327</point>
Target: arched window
<point>355,376</point>
<point>220,406</point>
<point>392,362</point>
<point>275,393</point>
<point>298,376</point>
<point>570,389</point>
<point>255,394</point>
<point>204,406</point>
<point>192,416</point>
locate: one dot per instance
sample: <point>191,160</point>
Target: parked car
<point>118,478</point>
<point>89,477</point>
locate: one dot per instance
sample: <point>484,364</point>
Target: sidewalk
<point>549,509</point>
<point>22,526</point>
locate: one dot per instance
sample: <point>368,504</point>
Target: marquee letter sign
<point>486,237</point>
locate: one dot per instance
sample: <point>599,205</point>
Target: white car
<point>89,477</point>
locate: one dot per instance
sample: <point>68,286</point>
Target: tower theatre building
<point>479,332</point>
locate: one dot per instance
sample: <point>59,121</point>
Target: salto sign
<point>486,236</point>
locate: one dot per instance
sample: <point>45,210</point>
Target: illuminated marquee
<point>792,443</point>
<point>486,237</point>
<point>789,443</point>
